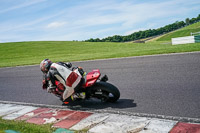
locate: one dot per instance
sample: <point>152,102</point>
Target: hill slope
<point>181,32</point>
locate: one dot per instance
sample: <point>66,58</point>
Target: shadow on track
<point>96,104</point>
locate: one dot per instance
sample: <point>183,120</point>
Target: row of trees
<point>147,33</point>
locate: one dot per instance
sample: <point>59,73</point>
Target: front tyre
<point>106,91</point>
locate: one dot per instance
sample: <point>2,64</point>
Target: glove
<point>44,84</point>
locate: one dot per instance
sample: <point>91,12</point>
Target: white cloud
<point>22,5</point>
<point>126,14</point>
<point>56,24</point>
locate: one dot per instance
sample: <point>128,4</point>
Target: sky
<point>67,20</point>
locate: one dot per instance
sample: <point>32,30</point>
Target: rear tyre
<point>106,91</point>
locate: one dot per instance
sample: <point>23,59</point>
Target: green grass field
<point>29,53</point>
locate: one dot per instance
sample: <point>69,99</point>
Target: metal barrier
<point>186,40</point>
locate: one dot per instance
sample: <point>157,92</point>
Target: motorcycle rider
<point>71,79</point>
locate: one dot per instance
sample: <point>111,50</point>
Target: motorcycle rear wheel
<point>107,91</point>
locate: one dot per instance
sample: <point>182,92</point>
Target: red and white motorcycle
<point>94,87</point>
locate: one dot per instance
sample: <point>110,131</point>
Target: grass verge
<point>23,127</point>
<point>29,53</point>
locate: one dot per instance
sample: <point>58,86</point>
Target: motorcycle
<point>93,87</point>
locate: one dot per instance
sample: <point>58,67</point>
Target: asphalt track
<point>164,85</point>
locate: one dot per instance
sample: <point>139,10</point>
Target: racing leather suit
<point>61,72</point>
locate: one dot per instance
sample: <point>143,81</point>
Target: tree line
<point>147,33</point>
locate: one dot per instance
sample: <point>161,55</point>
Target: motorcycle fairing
<point>92,77</point>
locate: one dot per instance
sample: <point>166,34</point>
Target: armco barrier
<point>186,40</point>
<point>183,40</point>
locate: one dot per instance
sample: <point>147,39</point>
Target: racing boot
<point>78,96</point>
